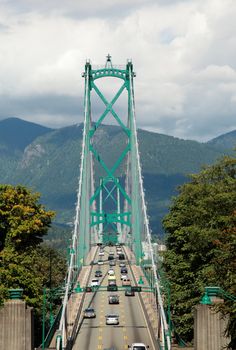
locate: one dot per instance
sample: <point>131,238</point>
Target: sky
<point>183,52</point>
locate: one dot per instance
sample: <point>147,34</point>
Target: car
<point>112,288</point>
<point>95,282</point>
<point>111,278</point>
<point>138,346</point>
<point>110,257</point>
<point>126,282</point>
<point>121,256</point>
<point>98,273</point>
<point>111,253</point>
<point>89,313</point>
<point>122,264</point>
<point>129,293</point>
<point>123,277</point>
<point>100,262</point>
<point>111,272</point>
<point>123,270</point>
<point>113,299</point>
<point>101,253</point>
<point>112,263</point>
<point>112,319</point>
<point>112,281</point>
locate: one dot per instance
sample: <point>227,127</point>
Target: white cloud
<point>183,52</point>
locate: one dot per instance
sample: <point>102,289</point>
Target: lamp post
<point>44,318</point>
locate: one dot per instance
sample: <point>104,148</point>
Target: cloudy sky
<point>184,53</point>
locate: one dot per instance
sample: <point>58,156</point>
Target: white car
<point>111,272</point>
<point>111,253</point>
<point>123,277</point>
<point>101,253</point>
<point>112,319</point>
<point>100,262</point>
<point>122,264</point>
<point>138,346</point>
<point>95,282</point>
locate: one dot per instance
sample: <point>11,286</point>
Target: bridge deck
<point>133,327</point>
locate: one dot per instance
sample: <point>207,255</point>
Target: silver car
<point>89,313</point>
<point>138,346</point>
<point>112,319</point>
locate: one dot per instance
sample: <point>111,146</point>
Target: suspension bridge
<point>111,231</point>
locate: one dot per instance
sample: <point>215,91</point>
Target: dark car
<point>98,273</point>
<point>112,288</point>
<point>123,270</point>
<point>110,257</point>
<point>113,299</point>
<point>129,293</point>
<point>122,256</point>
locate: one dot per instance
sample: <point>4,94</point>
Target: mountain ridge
<point>224,141</point>
<point>50,164</point>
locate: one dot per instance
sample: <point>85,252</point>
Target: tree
<point>23,220</point>
<point>25,262</point>
<point>201,242</point>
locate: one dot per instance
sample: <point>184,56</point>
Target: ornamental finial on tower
<point>108,62</point>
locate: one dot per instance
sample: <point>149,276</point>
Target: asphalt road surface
<point>94,334</point>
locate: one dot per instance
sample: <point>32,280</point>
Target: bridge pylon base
<point>16,326</point>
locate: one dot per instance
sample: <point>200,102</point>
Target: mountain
<point>225,141</point>
<point>16,134</point>
<point>50,161</point>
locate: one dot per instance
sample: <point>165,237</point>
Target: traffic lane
<point>90,332</point>
<point>90,335</point>
<point>94,333</point>
<point>84,339</point>
<point>112,335</point>
<point>137,329</point>
<point>132,327</point>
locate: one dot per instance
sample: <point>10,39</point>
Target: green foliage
<point>23,221</point>
<point>24,262</point>
<point>201,242</point>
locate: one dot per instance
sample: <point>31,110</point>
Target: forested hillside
<point>49,160</point>
<point>226,141</point>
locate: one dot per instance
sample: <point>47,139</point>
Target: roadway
<point>94,334</point>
